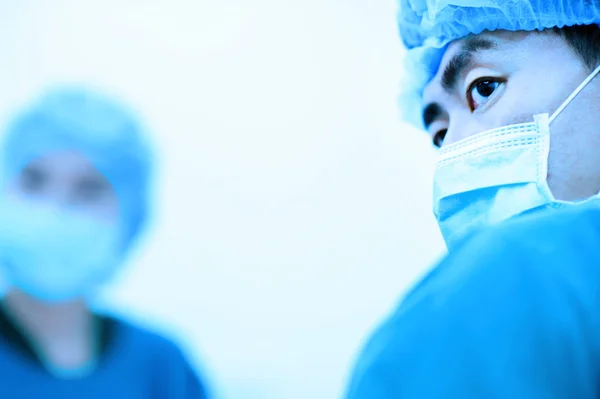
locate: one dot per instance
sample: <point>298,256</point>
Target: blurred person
<point>75,186</point>
<point>509,91</point>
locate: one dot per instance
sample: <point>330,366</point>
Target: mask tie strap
<point>575,93</point>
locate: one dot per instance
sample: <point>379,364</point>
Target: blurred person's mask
<point>492,176</point>
<point>53,254</point>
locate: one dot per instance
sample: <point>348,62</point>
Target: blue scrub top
<point>512,313</point>
<point>135,364</point>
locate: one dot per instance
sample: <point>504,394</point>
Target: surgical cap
<point>105,131</point>
<point>428,26</point>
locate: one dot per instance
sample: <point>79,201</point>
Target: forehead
<point>503,41</point>
<point>65,164</point>
<point>67,159</point>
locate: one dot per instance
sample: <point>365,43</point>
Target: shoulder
<point>165,357</point>
<point>552,247</point>
<point>493,302</point>
<point>153,341</point>
<point>539,264</point>
<point>544,232</point>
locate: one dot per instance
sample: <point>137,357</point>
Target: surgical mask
<point>492,176</point>
<point>53,254</point>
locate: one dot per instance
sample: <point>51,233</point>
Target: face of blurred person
<point>67,179</point>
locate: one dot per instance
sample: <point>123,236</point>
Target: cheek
<point>516,106</point>
<point>14,191</point>
<point>573,164</point>
<point>113,210</point>
<point>107,210</point>
<point>11,190</point>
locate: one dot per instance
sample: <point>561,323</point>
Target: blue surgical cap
<point>428,26</point>
<point>76,118</point>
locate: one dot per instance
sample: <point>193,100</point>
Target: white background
<point>292,208</point>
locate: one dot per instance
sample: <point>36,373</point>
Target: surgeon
<point>74,199</point>
<point>510,92</point>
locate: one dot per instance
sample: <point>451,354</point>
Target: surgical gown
<point>134,364</point>
<point>512,313</point>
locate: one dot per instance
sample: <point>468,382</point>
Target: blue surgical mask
<point>492,176</point>
<point>53,254</point>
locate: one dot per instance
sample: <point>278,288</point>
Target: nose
<point>59,195</point>
<point>462,126</point>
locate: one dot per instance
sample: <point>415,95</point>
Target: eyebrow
<point>454,70</point>
<point>459,62</point>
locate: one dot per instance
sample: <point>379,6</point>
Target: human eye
<point>91,189</point>
<point>438,137</point>
<point>33,180</point>
<point>482,90</point>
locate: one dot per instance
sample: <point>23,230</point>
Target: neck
<point>62,333</point>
